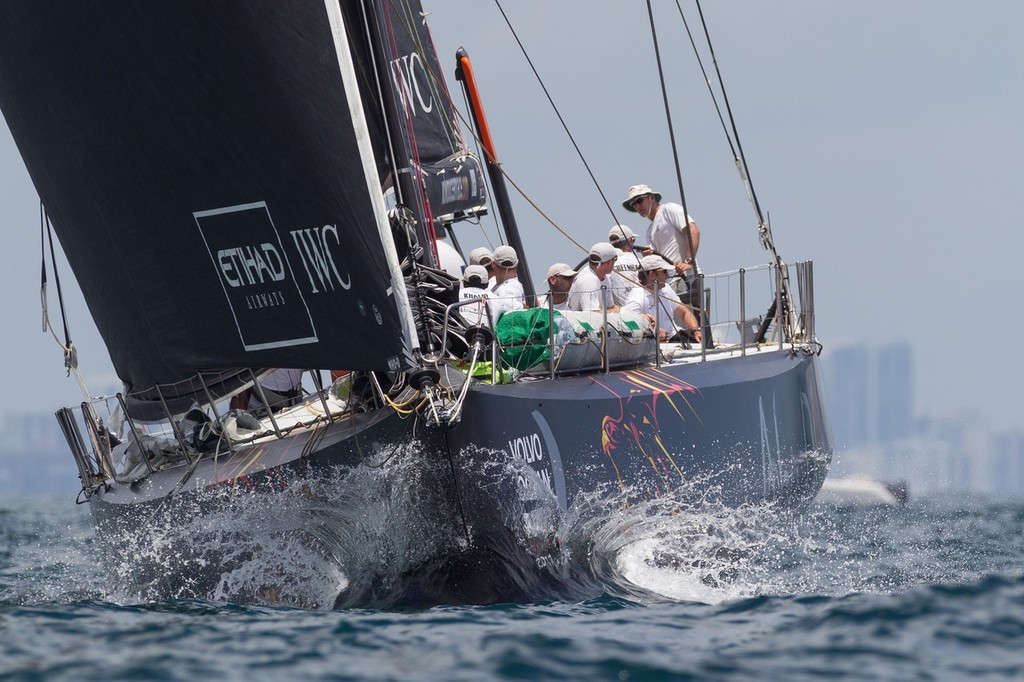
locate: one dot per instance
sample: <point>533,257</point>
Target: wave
<point>367,538</point>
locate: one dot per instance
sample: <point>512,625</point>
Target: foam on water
<point>319,541</point>
<point>655,590</point>
<point>392,536</point>
<point>367,537</point>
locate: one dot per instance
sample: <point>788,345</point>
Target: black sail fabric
<point>201,168</point>
<point>452,178</point>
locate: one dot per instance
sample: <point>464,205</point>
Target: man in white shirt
<point>483,256</point>
<point>560,279</point>
<point>675,321</point>
<point>474,287</point>
<point>628,264</point>
<point>507,292</point>
<point>593,287</point>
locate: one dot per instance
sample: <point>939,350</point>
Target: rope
<point>67,347</point>
<point>668,116</point>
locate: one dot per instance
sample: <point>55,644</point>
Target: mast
<point>464,73</point>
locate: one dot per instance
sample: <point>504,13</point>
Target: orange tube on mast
<point>474,96</point>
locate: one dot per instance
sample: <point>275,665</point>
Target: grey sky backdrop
<point>884,139</point>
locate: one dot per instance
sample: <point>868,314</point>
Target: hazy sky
<point>884,139</point>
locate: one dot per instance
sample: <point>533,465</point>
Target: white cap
<point>475,275</point>
<point>655,262</point>
<point>481,256</point>
<point>620,233</point>
<point>506,257</point>
<point>562,269</point>
<point>602,252</point>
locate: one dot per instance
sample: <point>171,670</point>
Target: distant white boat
<point>861,490</point>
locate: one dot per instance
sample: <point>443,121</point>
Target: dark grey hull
<point>754,427</point>
<point>734,430</point>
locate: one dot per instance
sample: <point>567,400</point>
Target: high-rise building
<point>847,382</point>
<point>895,393</point>
<point>1007,470</point>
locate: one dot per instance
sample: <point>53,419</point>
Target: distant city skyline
<point>879,430</point>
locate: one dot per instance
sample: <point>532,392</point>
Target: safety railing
<point>736,310</point>
<point>96,429</point>
<point>761,305</point>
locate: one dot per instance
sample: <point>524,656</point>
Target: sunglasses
<point>637,200</point>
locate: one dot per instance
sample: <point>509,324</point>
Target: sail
<point>210,174</point>
<point>451,177</point>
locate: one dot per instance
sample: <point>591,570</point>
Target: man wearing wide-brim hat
<point>672,233</point>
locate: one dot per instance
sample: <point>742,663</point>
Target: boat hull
<point>751,427</point>
<point>737,430</point>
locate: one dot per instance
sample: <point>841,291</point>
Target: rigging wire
<point>522,192</point>
<point>46,233</point>
<point>740,158</point>
<point>668,112</point>
<point>455,484</point>
<point>707,81</point>
<point>764,227</point>
<point>561,120</point>
<point>68,347</point>
<point>484,176</point>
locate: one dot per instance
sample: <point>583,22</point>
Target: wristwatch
<point>688,261</point>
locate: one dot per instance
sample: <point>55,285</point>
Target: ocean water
<point>933,590</point>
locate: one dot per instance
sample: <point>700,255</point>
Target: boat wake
<point>394,537</point>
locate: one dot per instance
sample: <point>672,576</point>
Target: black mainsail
<point>219,192</point>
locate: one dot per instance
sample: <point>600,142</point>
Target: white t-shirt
<point>510,293</point>
<point>665,233</point>
<point>473,313</point>
<point>542,302</point>
<point>586,293</point>
<point>641,301</point>
<point>628,267</point>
